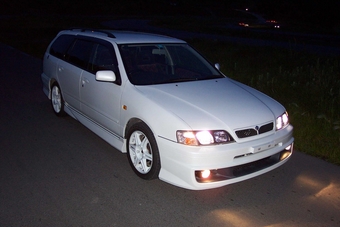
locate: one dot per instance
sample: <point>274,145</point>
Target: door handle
<point>84,81</point>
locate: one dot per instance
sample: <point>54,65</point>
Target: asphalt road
<point>55,172</point>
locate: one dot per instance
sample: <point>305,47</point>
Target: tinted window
<point>79,54</point>
<point>103,59</point>
<point>184,57</point>
<point>147,64</point>
<point>60,45</point>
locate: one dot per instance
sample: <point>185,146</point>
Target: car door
<point>100,101</point>
<point>70,71</point>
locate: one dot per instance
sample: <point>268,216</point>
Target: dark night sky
<point>321,8</point>
<point>318,13</point>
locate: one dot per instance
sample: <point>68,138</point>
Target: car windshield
<point>147,64</point>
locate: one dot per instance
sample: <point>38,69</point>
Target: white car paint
<point>217,101</point>
<point>215,104</point>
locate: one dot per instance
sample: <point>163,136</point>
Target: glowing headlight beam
<point>205,137</point>
<point>282,121</point>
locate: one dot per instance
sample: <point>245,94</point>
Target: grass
<point>307,85</point>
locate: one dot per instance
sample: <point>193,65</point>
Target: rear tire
<point>142,152</point>
<point>57,100</point>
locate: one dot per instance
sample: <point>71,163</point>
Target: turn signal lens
<point>187,138</point>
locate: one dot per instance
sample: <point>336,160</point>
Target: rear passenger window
<point>60,45</point>
<point>79,54</point>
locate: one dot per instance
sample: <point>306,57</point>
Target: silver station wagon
<point>176,115</point>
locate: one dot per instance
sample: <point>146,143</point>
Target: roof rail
<point>109,34</point>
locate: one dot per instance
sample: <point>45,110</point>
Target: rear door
<point>70,70</point>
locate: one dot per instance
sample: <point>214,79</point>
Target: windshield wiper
<point>181,80</point>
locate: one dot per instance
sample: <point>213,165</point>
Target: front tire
<point>142,152</point>
<point>57,100</point>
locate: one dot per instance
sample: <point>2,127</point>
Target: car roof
<point>123,37</point>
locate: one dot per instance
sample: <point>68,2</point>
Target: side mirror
<point>217,66</point>
<point>106,76</point>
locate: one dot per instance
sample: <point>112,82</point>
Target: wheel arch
<point>134,125</point>
<point>52,81</point>
<point>130,123</point>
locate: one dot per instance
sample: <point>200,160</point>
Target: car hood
<point>214,104</point>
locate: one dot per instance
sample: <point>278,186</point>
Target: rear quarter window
<point>60,45</point>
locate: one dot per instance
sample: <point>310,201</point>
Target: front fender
<point>137,107</point>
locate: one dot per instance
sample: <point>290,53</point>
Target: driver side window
<point>102,59</point>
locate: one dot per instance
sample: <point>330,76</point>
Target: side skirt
<point>113,139</point>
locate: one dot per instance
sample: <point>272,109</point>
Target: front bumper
<point>230,163</point>
<point>243,170</point>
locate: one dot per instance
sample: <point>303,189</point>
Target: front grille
<point>254,131</point>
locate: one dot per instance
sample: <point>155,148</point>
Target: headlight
<point>196,138</point>
<point>282,121</point>
<point>204,137</point>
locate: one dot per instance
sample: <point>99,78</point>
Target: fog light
<point>288,148</point>
<point>205,173</point>
<point>286,152</point>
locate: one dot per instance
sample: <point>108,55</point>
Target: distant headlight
<point>196,138</point>
<point>282,121</point>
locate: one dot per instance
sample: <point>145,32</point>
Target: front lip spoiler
<point>245,169</point>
